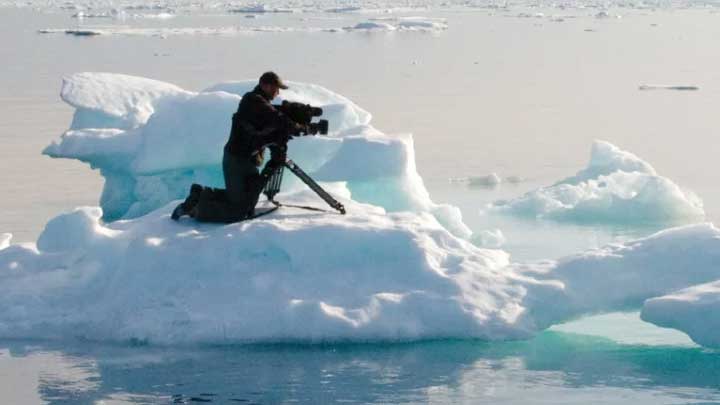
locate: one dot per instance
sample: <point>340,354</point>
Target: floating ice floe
<point>299,276</point>
<point>530,15</point>
<point>373,25</point>
<point>606,14</point>
<point>402,24</point>
<point>488,180</point>
<point>393,268</point>
<point>368,10</point>
<point>157,16</point>
<point>82,14</point>
<point>166,31</point>
<point>151,140</point>
<point>122,15</point>
<point>405,25</point>
<point>694,310</point>
<point>260,9</point>
<point>616,187</point>
<point>667,87</point>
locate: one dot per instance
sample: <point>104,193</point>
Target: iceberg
<point>396,267</point>
<point>150,140</point>
<point>615,187</point>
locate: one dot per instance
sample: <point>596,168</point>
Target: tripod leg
<point>300,173</point>
<point>272,187</point>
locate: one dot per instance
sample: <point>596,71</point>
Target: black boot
<point>187,206</point>
<point>194,197</point>
<point>178,212</point>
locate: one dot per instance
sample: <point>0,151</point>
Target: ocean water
<point>553,368</point>
<point>494,93</point>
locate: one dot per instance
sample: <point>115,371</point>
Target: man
<point>257,124</point>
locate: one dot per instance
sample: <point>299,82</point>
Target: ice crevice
<point>399,266</point>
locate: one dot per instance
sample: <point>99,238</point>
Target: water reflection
<point>553,367</point>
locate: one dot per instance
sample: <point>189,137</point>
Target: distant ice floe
<point>606,14</point>
<point>158,16</point>
<point>488,180</point>
<point>550,10</point>
<point>396,267</point>
<point>403,24</point>
<point>368,10</point>
<point>615,187</point>
<point>261,9</point>
<point>667,87</point>
<point>553,17</point>
<point>187,31</point>
<point>109,14</point>
<point>122,15</point>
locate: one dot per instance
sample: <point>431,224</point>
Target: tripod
<point>272,187</point>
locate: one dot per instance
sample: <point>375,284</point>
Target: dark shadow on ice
<point>574,366</point>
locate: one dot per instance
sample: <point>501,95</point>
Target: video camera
<point>303,114</point>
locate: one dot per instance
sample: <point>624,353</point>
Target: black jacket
<point>257,124</point>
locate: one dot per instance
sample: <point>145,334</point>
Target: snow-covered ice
<point>398,266</point>
<point>318,277</point>
<point>695,311</point>
<point>615,187</point>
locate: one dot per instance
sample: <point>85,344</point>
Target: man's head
<point>270,83</point>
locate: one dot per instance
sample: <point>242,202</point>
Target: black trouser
<point>240,174</point>
<point>243,186</point>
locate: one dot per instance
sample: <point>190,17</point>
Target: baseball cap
<point>272,78</point>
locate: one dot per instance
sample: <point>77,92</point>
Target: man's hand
<point>278,156</point>
<point>282,138</point>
